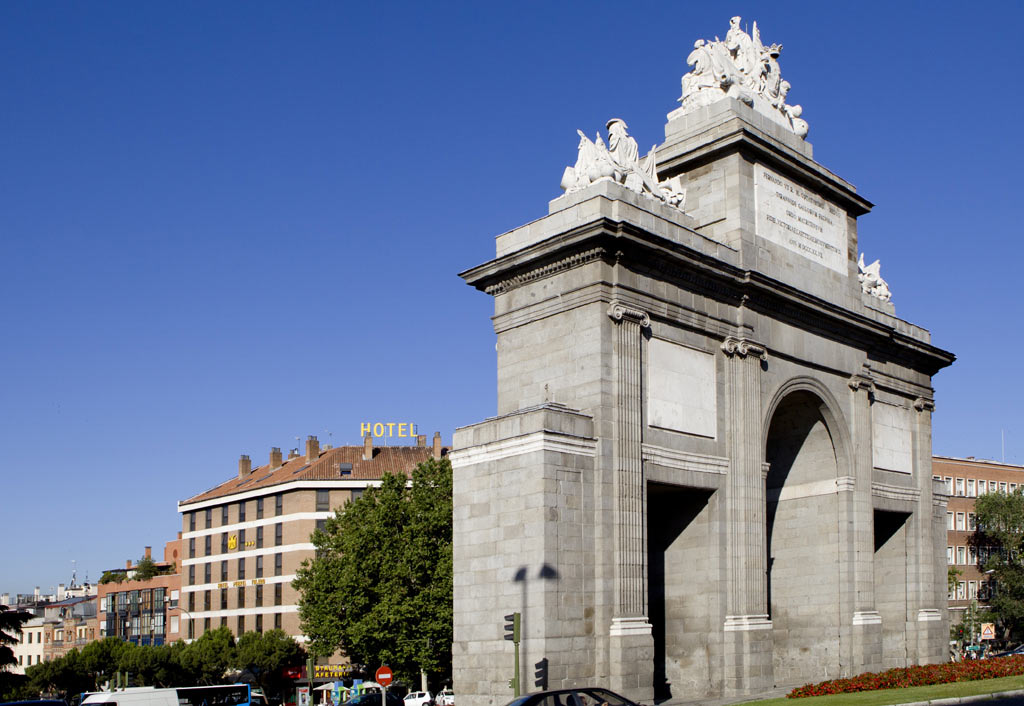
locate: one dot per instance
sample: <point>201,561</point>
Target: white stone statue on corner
<point>620,162</point>
<point>739,67</point>
<point>871,281</point>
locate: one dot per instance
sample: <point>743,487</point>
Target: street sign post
<point>383,676</point>
<point>988,631</point>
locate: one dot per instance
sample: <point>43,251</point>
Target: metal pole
<point>515,682</point>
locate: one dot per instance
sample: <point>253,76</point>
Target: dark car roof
<point>35,702</point>
<point>538,696</point>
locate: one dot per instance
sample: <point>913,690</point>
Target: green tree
<point>145,569</point>
<point>10,628</point>
<point>205,660</point>
<point>265,655</point>
<point>380,587</point>
<point>1000,535</point>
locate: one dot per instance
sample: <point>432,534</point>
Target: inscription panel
<point>799,220</point>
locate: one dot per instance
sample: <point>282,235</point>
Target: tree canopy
<point>1000,542</point>
<point>380,587</point>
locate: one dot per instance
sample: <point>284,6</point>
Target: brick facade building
<point>144,612</point>
<point>243,540</point>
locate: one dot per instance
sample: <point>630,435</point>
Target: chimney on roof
<point>293,453</point>
<point>149,552</point>
<point>368,447</point>
<point>127,563</point>
<point>421,440</point>
<point>275,457</point>
<point>244,466</point>
<point>179,535</point>
<point>312,448</point>
<point>61,593</point>
<point>437,444</point>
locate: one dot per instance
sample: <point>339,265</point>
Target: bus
<point>219,695</point>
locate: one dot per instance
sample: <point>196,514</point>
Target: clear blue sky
<point>226,225</point>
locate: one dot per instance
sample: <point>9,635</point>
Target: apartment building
<point>243,540</point>
<point>143,611</point>
<point>964,480</point>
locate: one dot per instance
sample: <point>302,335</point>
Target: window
<point>277,594</point>
<point>961,590</point>
<point>223,599</point>
<point>1013,487</point>
<point>960,524</point>
<point>949,555</point>
<point>240,596</point>
<point>207,545</point>
<point>321,525</point>
<point>971,523</point>
<point>278,534</point>
<point>192,547</point>
<point>972,589</point>
<point>259,623</point>
<point>241,511</point>
<point>961,555</point>
<point>960,486</point>
<point>972,555</point>
<point>1002,488</point>
<point>206,601</point>
<point>357,493</point>
<point>223,515</point>
<point>277,621</point>
<point>207,570</point>
<point>224,570</point>
<point>259,597</point>
<point>972,492</point>
<point>278,504</point>
<point>259,567</point>
<point>191,602</point>
<point>223,621</point>
<point>241,539</point>
<point>949,485</point>
<point>259,508</point>
<point>323,500</point>
<point>259,537</point>
<point>206,625</point>
<point>278,561</point>
<point>241,624</point>
<point>208,517</point>
<point>949,521</point>
<point>192,575</point>
<point>981,487</point>
<point>223,542</point>
<point>191,522</point>
<point>241,569</point>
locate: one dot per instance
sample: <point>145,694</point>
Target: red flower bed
<point>917,676</point>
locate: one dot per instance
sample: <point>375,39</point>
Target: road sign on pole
<point>988,631</point>
<point>383,676</point>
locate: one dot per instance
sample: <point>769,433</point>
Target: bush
<point>925,675</point>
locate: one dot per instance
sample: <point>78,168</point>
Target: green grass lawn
<point>901,696</point>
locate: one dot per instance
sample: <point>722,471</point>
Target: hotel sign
<point>402,430</point>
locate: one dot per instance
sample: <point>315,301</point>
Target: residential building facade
<point>68,624</point>
<point>964,479</point>
<point>244,540</point>
<point>143,611</point>
<point>29,648</point>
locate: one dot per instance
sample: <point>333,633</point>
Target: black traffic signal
<point>540,674</point>
<point>512,627</point>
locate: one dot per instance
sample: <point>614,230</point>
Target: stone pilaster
<point>928,608</point>
<point>630,638</point>
<point>748,641</point>
<point>862,652</point>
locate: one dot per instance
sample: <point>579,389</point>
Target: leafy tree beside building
<point>380,587</point>
<point>1000,542</point>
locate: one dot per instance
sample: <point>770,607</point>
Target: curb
<point>965,699</point>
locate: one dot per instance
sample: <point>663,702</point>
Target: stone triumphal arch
<point>710,469</point>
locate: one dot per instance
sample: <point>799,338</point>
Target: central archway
<point>803,536</point>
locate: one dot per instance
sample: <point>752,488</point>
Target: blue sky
<point>227,225</point>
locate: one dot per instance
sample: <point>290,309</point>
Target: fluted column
<point>747,607</point>
<point>630,522</point>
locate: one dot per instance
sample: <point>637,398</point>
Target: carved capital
<point>740,346</point>
<point>921,404</point>
<point>861,381</point>
<point>619,311</point>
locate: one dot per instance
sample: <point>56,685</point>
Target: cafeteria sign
<point>988,631</point>
<point>326,671</point>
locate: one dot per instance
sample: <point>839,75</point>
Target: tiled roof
<point>386,459</point>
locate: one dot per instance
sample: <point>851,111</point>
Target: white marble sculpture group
<point>619,161</point>
<point>871,282</point>
<point>740,67</point>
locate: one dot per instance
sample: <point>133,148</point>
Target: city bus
<point>219,695</point>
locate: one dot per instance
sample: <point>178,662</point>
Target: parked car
<point>372,698</point>
<point>445,697</point>
<point>580,696</point>
<point>1018,650</point>
<point>418,698</point>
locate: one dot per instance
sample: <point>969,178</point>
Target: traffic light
<point>541,674</point>
<point>512,627</point>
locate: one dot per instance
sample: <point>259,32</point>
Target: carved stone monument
<point>710,469</point>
